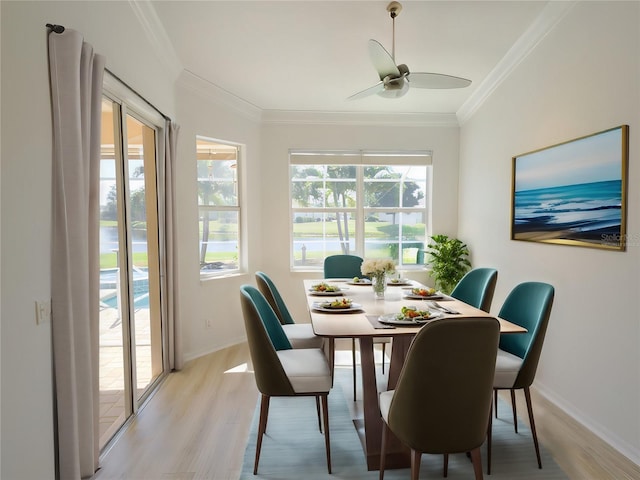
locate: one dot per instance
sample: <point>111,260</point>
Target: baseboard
<point>193,355</point>
<point>607,450</point>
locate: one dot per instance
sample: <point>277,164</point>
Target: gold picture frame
<point>573,193</point>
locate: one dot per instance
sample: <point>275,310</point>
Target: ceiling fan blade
<point>382,61</point>
<point>377,88</point>
<point>436,80</point>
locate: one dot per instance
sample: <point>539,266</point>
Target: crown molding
<point>148,18</point>
<point>219,96</point>
<point>283,117</point>
<point>551,14</point>
<point>157,35</point>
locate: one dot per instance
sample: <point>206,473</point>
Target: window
<point>373,204</point>
<point>218,207</point>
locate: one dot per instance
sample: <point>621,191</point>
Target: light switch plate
<point>43,311</point>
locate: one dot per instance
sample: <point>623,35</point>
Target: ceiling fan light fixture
<point>395,89</point>
<point>395,79</point>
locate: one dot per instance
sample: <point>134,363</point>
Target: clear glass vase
<point>379,284</point>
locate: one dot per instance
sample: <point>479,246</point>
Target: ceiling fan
<point>396,79</point>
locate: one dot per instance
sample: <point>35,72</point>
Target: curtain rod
<point>138,95</point>
<point>59,29</point>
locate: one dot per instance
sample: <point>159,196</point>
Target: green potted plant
<point>449,261</point>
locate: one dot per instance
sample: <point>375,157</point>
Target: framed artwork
<point>573,193</point>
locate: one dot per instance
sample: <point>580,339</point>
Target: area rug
<point>293,447</point>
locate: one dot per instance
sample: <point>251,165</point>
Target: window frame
<point>360,159</point>
<point>237,208</point>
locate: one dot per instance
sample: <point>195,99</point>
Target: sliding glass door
<point>131,337</point>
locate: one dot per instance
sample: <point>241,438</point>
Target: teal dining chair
<point>279,370</point>
<point>342,266</point>
<point>476,288</point>
<point>528,305</point>
<point>349,266</point>
<point>300,335</point>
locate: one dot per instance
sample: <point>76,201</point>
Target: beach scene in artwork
<point>572,191</point>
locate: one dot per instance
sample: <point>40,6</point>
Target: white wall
<point>279,138</point>
<point>202,111</point>
<point>27,421</point>
<point>582,78</point>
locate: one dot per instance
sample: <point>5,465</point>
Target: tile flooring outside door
<point>112,397</point>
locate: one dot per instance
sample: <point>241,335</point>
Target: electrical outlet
<point>43,311</point>
<point>208,323</point>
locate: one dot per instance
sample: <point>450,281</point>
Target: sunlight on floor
<point>242,368</point>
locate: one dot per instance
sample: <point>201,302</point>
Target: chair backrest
<point>528,305</point>
<point>476,288</point>
<point>271,378</point>
<point>268,318</point>
<point>271,293</point>
<point>442,400</point>
<point>342,266</point>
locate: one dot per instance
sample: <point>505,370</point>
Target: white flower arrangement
<point>377,266</point>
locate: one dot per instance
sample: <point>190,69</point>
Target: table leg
<point>399,351</point>
<point>397,455</point>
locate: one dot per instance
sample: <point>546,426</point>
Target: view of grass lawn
<point>109,260</point>
<point>371,229</point>
<point>225,232</point>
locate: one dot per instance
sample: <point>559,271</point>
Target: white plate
<point>355,307</point>
<point>413,296</point>
<point>391,319</point>
<point>322,293</point>
<point>361,282</point>
<point>337,291</point>
<point>399,283</point>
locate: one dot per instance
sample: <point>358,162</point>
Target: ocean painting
<point>573,193</point>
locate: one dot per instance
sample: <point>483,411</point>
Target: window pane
<point>395,186</point>
<point>217,183</point>
<point>323,186</point>
<point>397,235</point>
<point>341,186</point>
<point>318,234</point>
<point>382,193</point>
<point>307,193</point>
<point>219,239</point>
<point>414,187</point>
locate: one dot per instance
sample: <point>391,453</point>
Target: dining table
<point>368,317</point>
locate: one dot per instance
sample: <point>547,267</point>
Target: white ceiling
<point>311,55</point>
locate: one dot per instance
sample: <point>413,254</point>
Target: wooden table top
<point>356,324</point>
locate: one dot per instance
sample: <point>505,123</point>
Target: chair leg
<point>415,464</point>
<point>262,426</point>
<point>327,440</point>
<point>513,407</point>
<point>489,428</point>
<point>332,358</point>
<point>527,396</point>
<point>353,358</point>
<point>383,449</point>
<point>495,400</point>
<point>476,459</point>
<point>383,353</point>
<point>318,409</point>
<point>445,465</point>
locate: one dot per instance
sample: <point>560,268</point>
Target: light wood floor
<point>196,426</point>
